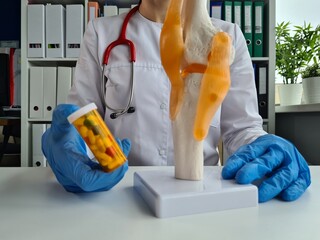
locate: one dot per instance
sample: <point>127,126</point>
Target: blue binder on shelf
<point>258,29</point>
<point>247,24</point>
<point>216,9</point>
<point>261,79</point>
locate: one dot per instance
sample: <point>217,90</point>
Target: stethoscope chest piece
<point>114,115</point>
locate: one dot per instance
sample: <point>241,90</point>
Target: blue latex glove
<point>272,159</point>
<point>66,154</point>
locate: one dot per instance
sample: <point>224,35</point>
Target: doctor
<point>254,153</point>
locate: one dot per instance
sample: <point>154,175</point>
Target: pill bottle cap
<point>82,111</point>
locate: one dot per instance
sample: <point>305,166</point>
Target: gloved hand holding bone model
<point>196,57</point>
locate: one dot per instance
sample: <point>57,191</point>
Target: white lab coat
<point>149,127</point>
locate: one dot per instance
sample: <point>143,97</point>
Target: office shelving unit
<point>270,60</point>
<point>26,63</point>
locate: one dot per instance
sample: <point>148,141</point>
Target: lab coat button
<point>162,152</point>
<point>163,106</point>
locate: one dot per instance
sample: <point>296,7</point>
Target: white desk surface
<point>34,206</point>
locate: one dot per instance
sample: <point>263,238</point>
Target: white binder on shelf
<point>110,10</point>
<point>36,92</point>
<point>123,10</point>
<point>38,159</point>
<point>74,29</point>
<point>63,84</point>
<point>55,31</point>
<point>36,30</point>
<point>49,91</point>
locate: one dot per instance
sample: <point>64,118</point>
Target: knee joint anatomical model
<point>196,56</point>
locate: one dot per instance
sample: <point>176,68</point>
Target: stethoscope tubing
<point>118,112</point>
<point>122,40</point>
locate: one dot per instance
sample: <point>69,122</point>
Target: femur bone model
<point>196,56</point>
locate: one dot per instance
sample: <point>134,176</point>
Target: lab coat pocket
<point>118,86</point>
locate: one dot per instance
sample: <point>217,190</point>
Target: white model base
<point>169,197</point>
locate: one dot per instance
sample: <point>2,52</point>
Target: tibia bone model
<point>196,57</point>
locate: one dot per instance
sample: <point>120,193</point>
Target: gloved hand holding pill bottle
<point>98,137</point>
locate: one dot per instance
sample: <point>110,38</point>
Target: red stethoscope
<point>122,40</point>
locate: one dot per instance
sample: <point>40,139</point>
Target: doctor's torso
<point>149,127</point>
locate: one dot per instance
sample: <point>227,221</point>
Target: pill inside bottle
<point>98,137</point>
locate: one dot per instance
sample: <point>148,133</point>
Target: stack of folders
<point>54,31</point>
<point>49,86</point>
<point>248,15</point>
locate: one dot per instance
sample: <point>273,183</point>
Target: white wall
<point>298,11</point>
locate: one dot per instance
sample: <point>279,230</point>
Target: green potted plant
<point>311,74</point>
<point>311,83</point>
<point>294,50</point>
